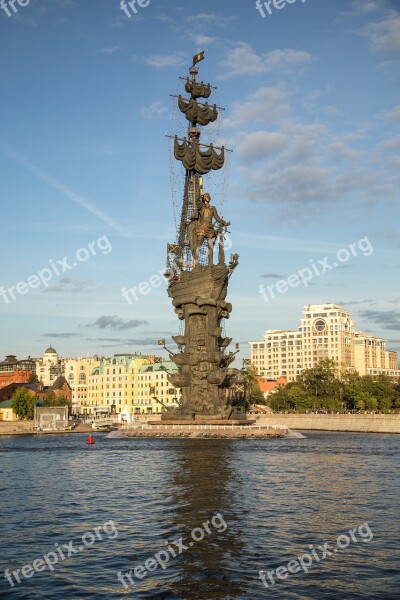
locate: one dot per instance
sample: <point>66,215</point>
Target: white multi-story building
<point>372,358</point>
<point>49,367</point>
<point>325,331</point>
<point>279,354</point>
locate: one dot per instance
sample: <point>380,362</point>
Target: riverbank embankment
<point>369,423</point>
<point>27,428</point>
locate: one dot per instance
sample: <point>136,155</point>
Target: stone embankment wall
<point>358,423</point>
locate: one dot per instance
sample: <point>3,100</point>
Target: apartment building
<point>326,331</point>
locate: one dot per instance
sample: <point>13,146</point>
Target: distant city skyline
<point>312,114</point>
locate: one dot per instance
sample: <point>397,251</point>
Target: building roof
<point>120,360</point>
<point>269,386</point>
<point>154,367</point>
<point>6,403</point>
<point>9,390</point>
<point>50,350</point>
<point>59,383</point>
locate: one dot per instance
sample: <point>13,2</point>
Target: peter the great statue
<point>197,286</point>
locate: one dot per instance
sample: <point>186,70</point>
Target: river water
<point>264,503</point>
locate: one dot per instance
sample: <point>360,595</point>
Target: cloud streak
<point>116,323</point>
<point>63,190</point>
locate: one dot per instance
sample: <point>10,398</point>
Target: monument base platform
<point>221,422</point>
<point>203,428</point>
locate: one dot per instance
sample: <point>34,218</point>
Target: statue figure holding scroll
<point>202,227</point>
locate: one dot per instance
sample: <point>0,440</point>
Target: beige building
<point>113,384</point>
<point>123,382</point>
<point>372,358</point>
<point>154,388</point>
<point>6,411</point>
<point>325,331</point>
<point>279,354</point>
<point>77,373</point>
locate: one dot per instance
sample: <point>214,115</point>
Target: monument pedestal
<point>204,421</point>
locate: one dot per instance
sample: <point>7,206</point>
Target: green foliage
<point>51,399</point>
<point>253,393</point>
<point>365,401</point>
<point>33,378</point>
<point>23,404</point>
<point>291,397</point>
<point>322,388</point>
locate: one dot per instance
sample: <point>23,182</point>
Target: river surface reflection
<point>277,498</point>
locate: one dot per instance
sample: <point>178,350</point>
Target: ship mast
<point>197,163</point>
<point>198,287</point>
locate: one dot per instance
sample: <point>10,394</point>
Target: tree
<point>321,382</point>
<point>61,401</point>
<point>292,397</point>
<point>51,399</point>
<point>365,400</point>
<point>253,393</point>
<point>323,387</point>
<point>33,378</point>
<point>384,404</point>
<point>23,403</point>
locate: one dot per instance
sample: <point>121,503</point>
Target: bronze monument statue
<point>201,227</point>
<point>197,286</point>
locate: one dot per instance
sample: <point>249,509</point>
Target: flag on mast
<point>198,57</point>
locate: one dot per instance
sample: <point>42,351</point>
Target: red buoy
<point>90,440</point>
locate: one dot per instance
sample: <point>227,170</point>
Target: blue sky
<point>312,114</point>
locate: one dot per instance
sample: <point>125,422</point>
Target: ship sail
<point>194,159</point>
<point>198,90</point>
<point>198,159</point>
<point>203,115</point>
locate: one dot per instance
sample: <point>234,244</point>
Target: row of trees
<point>23,402</point>
<point>321,388</point>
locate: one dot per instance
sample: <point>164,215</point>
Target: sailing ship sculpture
<point>197,286</point>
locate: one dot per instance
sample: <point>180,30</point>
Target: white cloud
<point>392,144</point>
<point>391,68</point>
<point>111,50</point>
<point>161,61</point>
<point>394,114</point>
<point>202,40</point>
<point>365,6</point>
<point>154,110</point>
<point>242,60</point>
<point>341,152</point>
<point>287,161</point>
<point>266,105</point>
<point>211,19</point>
<point>384,36</point>
<point>282,59</point>
<point>259,145</point>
